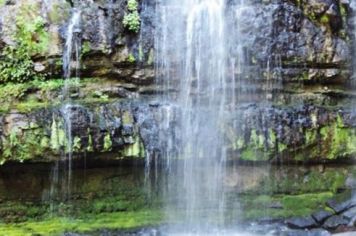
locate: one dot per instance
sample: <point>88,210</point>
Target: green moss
<point>76,144</point>
<point>49,85</point>
<point>307,203</point>
<point>272,139</point>
<point>310,137</point>
<point>107,143</point>
<point>59,225</point>
<point>258,148</point>
<point>324,19</point>
<point>131,58</point>
<point>338,142</point>
<point>249,155</point>
<point>31,38</point>
<point>30,105</point>
<point>257,140</point>
<point>339,121</point>
<point>136,149</point>
<point>36,94</point>
<point>127,118</point>
<point>291,205</point>
<point>90,147</point>
<point>239,143</point>
<point>58,137</point>
<point>58,13</point>
<point>85,48</point>
<point>23,144</point>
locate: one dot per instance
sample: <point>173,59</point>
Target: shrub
<point>16,64</point>
<point>132,19</point>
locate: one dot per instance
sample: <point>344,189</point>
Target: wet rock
<point>127,130</point>
<point>334,222</point>
<point>77,117</point>
<point>340,207</point>
<point>350,213</point>
<point>312,232</point>
<point>301,222</point>
<point>351,182</point>
<point>321,216</point>
<point>345,234</point>
<point>283,29</point>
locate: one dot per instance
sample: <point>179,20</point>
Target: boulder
<point>339,207</point>
<point>321,216</point>
<point>301,222</point>
<point>334,222</point>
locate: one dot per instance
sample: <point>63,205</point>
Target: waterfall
<point>194,59</point>
<point>72,45</point>
<point>61,176</point>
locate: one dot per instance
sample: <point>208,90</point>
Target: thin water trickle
<point>71,54</point>
<point>194,58</point>
<point>61,176</point>
<point>72,45</point>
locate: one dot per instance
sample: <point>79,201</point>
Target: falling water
<point>61,176</point>
<point>194,57</point>
<point>71,54</point>
<point>72,45</point>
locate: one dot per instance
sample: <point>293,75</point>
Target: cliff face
<point>297,57</point>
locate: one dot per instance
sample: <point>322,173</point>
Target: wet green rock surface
<point>119,197</point>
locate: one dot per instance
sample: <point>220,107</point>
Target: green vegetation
<point>132,20</point>
<point>58,225</point>
<point>85,48</point>
<point>21,146</point>
<point>289,205</point>
<point>131,58</point>
<point>107,143</point>
<point>136,149</point>
<point>36,94</point>
<point>334,140</point>
<point>103,200</point>
<point>31,38</point>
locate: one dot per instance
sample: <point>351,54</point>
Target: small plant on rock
<point>16,64</point>
<point>132,19</point>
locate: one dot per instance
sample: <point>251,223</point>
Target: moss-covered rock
<point>43,135</point>
<point>305,134</point>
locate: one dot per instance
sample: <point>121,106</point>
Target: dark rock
<point>318,232</point>
<point>334,222</point>
<point>351,182</point>
<point>127,130</point>
<point>350,213</point>
<point>312,232</point>
<point>321,216</point>
<point>276,205</point>
<point>340,207</point>
<point>301,222</point>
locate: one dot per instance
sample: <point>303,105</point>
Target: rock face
<point>303,223</point>
<point>297,59</point>
<point>44,134</point>
<point>108,49</point>
<point>310,39</point>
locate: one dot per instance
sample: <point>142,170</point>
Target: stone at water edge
<point>321,216</point>
<point>350,213</point>
<point>301,222</point>
<point>340,207</point>
<point>345,234</point>
<point>313,232</point>
<point>334,222</point>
